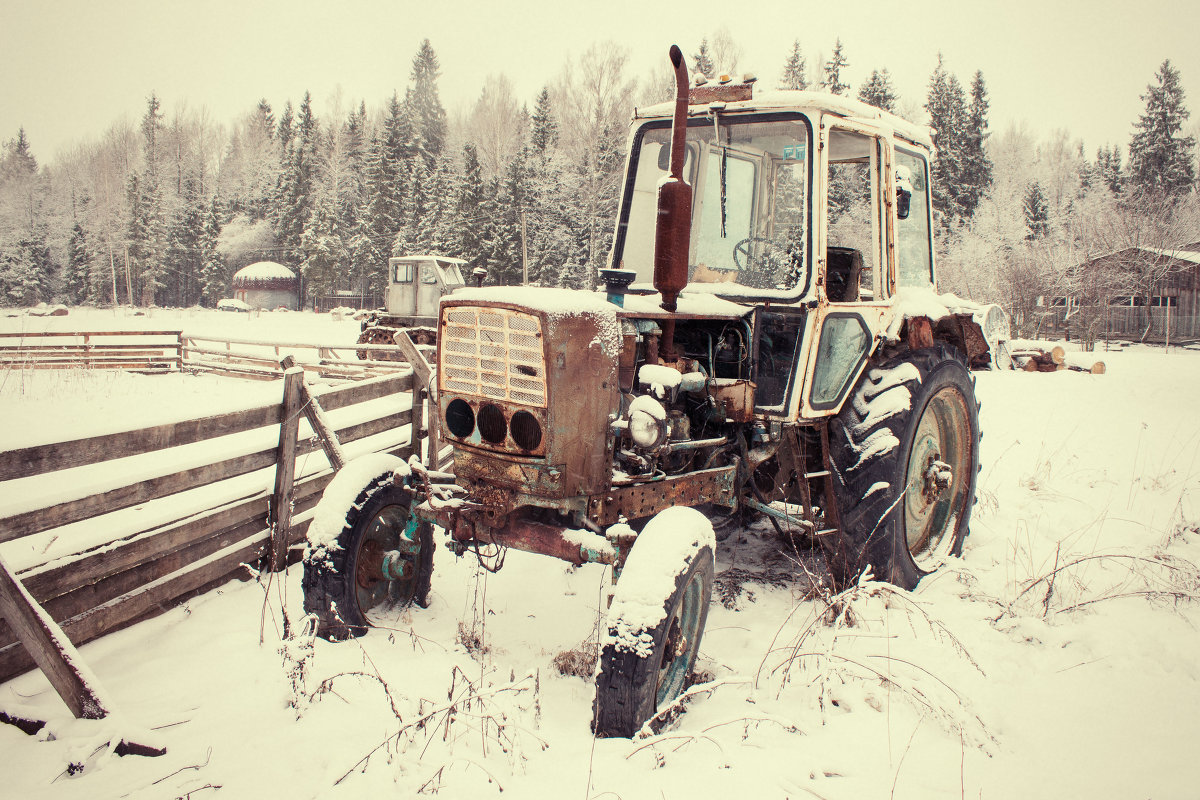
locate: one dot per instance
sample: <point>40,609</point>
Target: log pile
<point>1055,359</point>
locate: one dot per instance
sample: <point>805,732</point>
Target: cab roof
<point>796,100</point>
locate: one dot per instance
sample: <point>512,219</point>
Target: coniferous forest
<point>164,212</point>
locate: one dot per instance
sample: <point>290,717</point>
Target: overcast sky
<point>71,69</point>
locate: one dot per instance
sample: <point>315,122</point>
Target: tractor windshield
<point>751,209</point>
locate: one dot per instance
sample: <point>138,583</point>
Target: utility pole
<point>524,254</point>
<point>112,266</point>
<point>128,282</point>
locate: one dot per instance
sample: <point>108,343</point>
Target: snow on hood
<point>702,304</point>
<point>555,303</point>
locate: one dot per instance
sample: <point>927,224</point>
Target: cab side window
<point>913,241</point>
<point>853,207</point>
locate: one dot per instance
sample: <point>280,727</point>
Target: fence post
<point>285,467</point>
<point>422,375</point>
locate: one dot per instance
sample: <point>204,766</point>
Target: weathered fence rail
<point>256,359</point>
<point>151,350</point>
<point>126,568</point>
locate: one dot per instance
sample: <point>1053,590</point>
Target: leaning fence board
<point>94,622</point>
<point>49,649</point>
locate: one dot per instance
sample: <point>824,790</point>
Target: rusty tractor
<point>770,341</point>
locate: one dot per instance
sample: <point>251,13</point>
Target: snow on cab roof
<point>263,270</point>
<point>802,100</point>
<point>427,256</point>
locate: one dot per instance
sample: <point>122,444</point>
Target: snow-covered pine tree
<point>544,130</point>
<point>26,267</point>
<point>428,115</point>
<point>436,226</point>
<point>185,261</point>
<point>1037,213</point>
<point>702,62</point>
<point>976,166</point>
<point>795,70</point>
<point>1161,161</point>
<point>468,212</point>
<point>214,274</point>
<point>285,134</point>
<point>298,183</point>
<point>1108,168</point>
<point>325,256</point>
<point>77,269</point>
<point>831,71</point>
<point>878,91</point>
<point>946,104</point>
<point>148,228</point>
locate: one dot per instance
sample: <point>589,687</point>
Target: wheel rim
<point>938,477</point>
<point>679,646</point>
<point>376,594</point>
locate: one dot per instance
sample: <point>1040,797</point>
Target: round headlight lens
<point>645,430</point>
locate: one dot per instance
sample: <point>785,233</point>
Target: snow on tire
<point>364,556</point>
<point>905,456</point>
<point>655,622</point>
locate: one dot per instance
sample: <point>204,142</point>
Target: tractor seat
<point>843,271</point>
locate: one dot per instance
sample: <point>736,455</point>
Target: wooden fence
<point>259,360</point>
<point>134,570</point>
<point>147,350</point>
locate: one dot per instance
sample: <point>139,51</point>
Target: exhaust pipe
<point>674,227</point>
<point>674,202</point>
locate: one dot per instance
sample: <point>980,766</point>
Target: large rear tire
<point>656,621</point>
<point>378,561</point>
<point>905,455</point>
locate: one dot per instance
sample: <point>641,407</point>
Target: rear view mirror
<point>904,191</point>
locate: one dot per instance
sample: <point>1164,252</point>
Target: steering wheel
<point>773,255</point>
<point>742,249</point>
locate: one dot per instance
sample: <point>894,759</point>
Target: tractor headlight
<point>646,430</point>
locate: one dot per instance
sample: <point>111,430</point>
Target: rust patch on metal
<point>974,343</point>
<point>530,537</point>
<point>737,398</point>
<point>920,332</point>
<point>720,93</point>
<point>642,500</point>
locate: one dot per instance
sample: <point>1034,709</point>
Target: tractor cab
<point>811,207</point>
<point>416,284</point>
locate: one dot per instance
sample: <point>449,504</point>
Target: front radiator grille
<point>493,353</point>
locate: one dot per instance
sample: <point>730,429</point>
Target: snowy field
<point>1058,658</point>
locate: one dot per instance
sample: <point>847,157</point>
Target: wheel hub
<point>937,481</point>
<point>937,478</point>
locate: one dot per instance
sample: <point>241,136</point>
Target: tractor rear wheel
<point>905,452</point>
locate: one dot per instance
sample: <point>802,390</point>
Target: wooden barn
<point>1139,293</point>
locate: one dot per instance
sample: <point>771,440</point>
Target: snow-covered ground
<point>1058,657</point>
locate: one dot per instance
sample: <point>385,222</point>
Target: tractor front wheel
<point>378,559</point>
<point>655,622</point>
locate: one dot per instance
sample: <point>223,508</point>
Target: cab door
<point>856,269</point>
